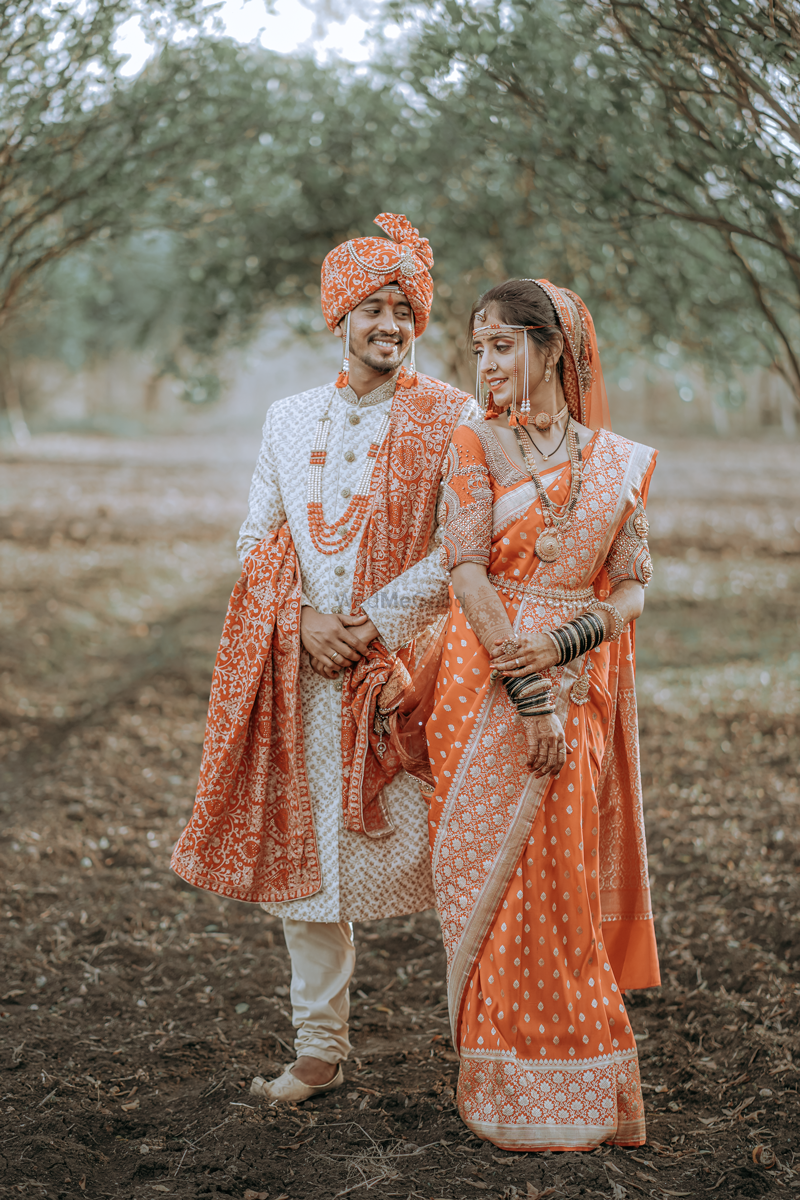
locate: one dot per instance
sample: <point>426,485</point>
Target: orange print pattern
<point>548,1057</point>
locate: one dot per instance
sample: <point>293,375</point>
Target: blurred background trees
<point>644,154</point>
<point>654,147</point>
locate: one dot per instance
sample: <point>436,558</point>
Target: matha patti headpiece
<point>582,375</point>
<point>517,417</point>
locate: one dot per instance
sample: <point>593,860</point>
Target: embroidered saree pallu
<point>542,884</point>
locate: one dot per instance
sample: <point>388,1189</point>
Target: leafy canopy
<point>659,141</point>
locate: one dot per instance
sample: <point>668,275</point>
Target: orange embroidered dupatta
<point>251,835</point>
<point>409,471</point>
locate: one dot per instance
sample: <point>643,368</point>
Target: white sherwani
<point>362,878</point>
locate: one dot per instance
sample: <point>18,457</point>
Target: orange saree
<point>542,884</point>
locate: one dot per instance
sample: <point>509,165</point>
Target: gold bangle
<point>619,624</point>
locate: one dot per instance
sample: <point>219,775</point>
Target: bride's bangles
<point>584,633</point>
<point>530,695</point>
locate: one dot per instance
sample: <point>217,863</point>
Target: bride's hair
<point>522,302</point>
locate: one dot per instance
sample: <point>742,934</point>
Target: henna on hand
<point>482,606</point>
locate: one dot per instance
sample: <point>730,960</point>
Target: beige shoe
<point>288,1088</point>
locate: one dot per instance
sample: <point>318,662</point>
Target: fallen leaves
<point>732,1113</point>
<point>764,1156</point>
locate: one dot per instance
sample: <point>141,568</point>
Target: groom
<point>345,489</point>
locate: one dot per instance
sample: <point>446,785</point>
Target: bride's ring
<point>516,660</point>
<point>334,653</point>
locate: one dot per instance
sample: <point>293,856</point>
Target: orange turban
<point>356,269</point>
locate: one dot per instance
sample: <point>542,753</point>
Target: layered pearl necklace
<point>332,538</point>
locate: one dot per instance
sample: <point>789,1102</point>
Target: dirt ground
<point>134,1010</point>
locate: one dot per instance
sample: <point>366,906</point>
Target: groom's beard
<point>381,363</point>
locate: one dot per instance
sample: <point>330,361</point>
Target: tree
<point>275,159</point>
<point>80,149</point>
<point>658,140</point>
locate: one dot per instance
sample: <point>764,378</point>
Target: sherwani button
<point>349,456</point>
<point>338,570</point>
<point>346,492</point>
<point>337,608</point>
<point>337,683</point>
<point>355,419</point>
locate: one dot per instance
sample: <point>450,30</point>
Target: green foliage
<point>643,155</point>
<point>274,160</point>
<point>657,142</point>
<point>81,149</point>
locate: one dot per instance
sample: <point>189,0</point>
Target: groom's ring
<point>516,660</point>
<point>334,653</point>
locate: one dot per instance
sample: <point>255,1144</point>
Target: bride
<point>537,836</point>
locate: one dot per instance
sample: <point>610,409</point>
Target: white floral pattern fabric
<point>362,879</point>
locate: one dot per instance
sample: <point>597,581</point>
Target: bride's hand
<point>547,749</point>
<point>535,653</point>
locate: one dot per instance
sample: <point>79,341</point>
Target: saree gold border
<point>484,908</point>
<point>639,461</point>
<point>512,505</point>
<point>558,1137</point>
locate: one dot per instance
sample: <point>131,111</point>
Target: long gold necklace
<point>548,544</point>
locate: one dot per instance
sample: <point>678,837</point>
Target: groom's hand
<point>362,629</point>
<point>332,640</point>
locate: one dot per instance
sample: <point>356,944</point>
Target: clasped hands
<point>334,640</point>
<point>546,744</point>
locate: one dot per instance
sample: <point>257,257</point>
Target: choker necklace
<point>544,420</point>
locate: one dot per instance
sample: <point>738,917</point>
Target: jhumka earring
<point>343,377</point>
<point>548,373</point>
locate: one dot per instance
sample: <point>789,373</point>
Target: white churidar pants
<point>323,960</point>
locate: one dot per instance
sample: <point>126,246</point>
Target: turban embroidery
<point>355,269</point>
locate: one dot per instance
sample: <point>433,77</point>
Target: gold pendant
<point>548,547</point>
<point>579,693</point>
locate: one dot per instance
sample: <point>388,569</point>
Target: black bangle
<point>542,710</point>
<point>598,625</point>
<point>578,636</point>
<point>530,695</point>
